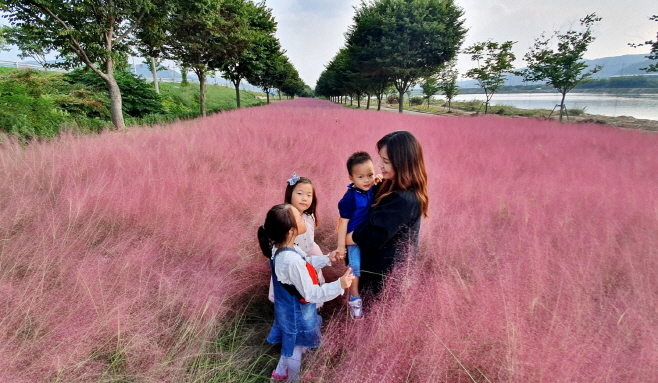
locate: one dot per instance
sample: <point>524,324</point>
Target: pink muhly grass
<point>121,254</point>
<point>538,261</point>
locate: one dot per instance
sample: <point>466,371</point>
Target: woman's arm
<point>386,219</point>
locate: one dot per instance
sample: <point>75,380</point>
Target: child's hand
<point>378,178</point>
<point>341,252</point>
<point>346,279</point>
<point>333,256</point>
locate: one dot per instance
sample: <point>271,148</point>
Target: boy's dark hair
<point>278,222</point>
<point>356,159</point>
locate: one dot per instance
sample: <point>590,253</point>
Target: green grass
<point>43,104</point>
<point>177,98</point>
<point>240,353</point>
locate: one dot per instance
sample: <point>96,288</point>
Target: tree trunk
<point>267,93</point>
<point>351,101</point>
<point>115,102</point>
<point>202,92</point>
<point>379,102</point>
<point>358,102</point>
<point>279,92</point>
<point>237,92</point>
<point>115,96</point>
<point>400,101</point>
<point>562,105</point>
<point>155,75</point>
<point>368,103</point>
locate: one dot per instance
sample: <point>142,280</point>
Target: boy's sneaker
<point>276,378</point>
<point>355,308</point>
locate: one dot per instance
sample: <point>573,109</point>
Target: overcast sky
<point>312,31</point>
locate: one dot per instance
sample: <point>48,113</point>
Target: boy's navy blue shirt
<point>354,206</point>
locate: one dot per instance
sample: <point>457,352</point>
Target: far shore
<point>475,108</point>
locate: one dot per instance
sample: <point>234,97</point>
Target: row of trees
<point>393,43</point>
<point>235,37</point>
<point>401,43</point>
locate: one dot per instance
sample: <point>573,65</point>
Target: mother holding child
<point>379,226</point>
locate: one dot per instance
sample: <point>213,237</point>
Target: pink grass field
<point>122,253</point>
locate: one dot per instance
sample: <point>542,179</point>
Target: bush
<point>416,101</point>
<point>392,99</point>
<point>27,108</point>
<point>576,111</point>
<point>138,98</point>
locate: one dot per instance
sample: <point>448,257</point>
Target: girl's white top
<point>306,241</point>
<point>291,269</point>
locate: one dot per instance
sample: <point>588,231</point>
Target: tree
<point>448,81</point>
<point>270,70</point>
<point>653,54</point>
<point>151,35</point>
<point>94,33</point>
<point>430,87</point>
<point>262,47</point>
<point>28,42</point>
<point>494,61</point>
<point>3,40</point>
<point>405,40</point>
<point>291,84</point>
<point>564,68</point>
<point>154,66</point>
<point>183,76</point>
<point>203,34</point>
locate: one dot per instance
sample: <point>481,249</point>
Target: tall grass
<point>125,256</point>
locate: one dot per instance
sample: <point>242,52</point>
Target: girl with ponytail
<point>296,289</point>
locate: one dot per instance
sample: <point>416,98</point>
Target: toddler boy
<point>354,208</point>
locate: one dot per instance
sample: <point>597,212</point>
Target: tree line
<point>236,37</point>
<point>398,44</point>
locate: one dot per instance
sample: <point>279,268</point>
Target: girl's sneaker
<point>355,308</point>
<point>276,378</point>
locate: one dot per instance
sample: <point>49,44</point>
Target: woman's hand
<point>346,279</point>
<point>378,179</point>
<point>348,239</point>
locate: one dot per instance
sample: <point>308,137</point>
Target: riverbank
<point>546,89</point>
<point>475,108</point>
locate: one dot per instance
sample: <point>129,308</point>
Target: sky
<point>312,31</point>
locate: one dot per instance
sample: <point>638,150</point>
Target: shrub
<point>577,111</point>
<point>138,98</point>
<point>27,108</point>
<point>392,99</point>
<point>415,101</point>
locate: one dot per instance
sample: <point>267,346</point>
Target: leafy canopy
<point>405,39</point>
<point>562,68</point>
<point>494,61</point>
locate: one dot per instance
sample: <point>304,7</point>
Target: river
<point>639,106</point>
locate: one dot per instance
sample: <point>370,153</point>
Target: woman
<point>393,224</point>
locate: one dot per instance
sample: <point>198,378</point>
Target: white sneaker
<point>355,308</point>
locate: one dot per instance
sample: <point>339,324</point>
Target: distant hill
<point>612,66</point>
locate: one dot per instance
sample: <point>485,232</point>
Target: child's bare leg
<point>354,289</point>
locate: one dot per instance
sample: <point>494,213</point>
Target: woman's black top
<point>390,231</point>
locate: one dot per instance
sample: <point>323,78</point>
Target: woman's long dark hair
<point>312,210</point>
<point>278,222</point>
<point>406,156</point>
